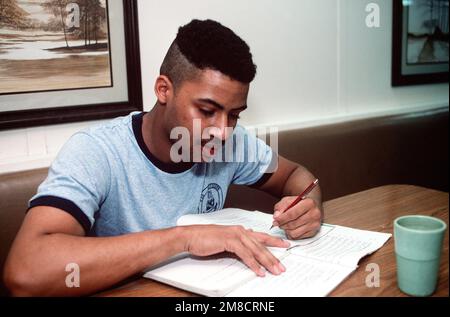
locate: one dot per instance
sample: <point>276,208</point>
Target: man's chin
<point>207,154</point>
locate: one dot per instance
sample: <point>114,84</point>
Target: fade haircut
<point>207,44</point>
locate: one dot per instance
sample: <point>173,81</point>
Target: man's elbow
<point>20,281</point>
<point>16,281</point>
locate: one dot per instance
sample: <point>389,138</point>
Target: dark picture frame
<point>85,112</point>
<point>403,73</point>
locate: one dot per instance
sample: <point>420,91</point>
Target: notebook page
<point>255,220</point>
<point>303,277</point>
<point>345,246</point>
<point>210,276</point>
<point>321,262</point>
<point>231,216</point>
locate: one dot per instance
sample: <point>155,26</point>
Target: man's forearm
<point>103,262</point>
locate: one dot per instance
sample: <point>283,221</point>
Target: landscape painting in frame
<point>48,45</point>
<point>427,32</point>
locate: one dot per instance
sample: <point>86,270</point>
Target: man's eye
<point>235,116</point>
<point>207,113</point>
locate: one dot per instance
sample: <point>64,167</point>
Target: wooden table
<point>373,209</point>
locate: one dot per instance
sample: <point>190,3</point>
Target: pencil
<point>302,196</point>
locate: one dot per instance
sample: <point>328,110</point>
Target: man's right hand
<point>250,246</point>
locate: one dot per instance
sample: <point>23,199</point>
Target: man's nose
<point>222,130</point>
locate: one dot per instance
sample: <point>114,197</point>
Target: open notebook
<point>314,266</point>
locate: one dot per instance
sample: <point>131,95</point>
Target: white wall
<point>317,63</point>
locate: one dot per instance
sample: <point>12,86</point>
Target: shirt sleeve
<point>78,180</point>
<point>255,160</point>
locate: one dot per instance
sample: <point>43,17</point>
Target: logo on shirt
<point>211,199</point>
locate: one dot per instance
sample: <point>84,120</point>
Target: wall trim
<point>28,163</point>
<point>348,117</point>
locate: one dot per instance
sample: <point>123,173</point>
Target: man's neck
<point>155,138</point>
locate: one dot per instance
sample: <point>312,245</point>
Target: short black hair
<point>207,44</point>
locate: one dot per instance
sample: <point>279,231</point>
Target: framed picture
<point>68,60</point>
<point>420,42</point>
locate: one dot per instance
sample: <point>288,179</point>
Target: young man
<point>113,194</point>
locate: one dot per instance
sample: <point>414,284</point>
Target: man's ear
<point>163,89</point>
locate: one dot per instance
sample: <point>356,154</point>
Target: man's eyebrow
<point>218,105</point>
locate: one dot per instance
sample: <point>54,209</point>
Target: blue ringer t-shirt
<point>108,180</point>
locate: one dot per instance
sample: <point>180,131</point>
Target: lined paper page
<point>210,276</point>
<point>345,246</point>
<point>303,277</point>
<point>205,276</point>
<point>255,220</point>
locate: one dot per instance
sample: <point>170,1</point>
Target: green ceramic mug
<point>418,246</point>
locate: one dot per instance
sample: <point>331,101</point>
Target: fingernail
<point>281,266</point>
<point>261,272</point>
<point>276,213</point>
<point>286,243</point>
<point>275,224</point>
<point>276,269</point>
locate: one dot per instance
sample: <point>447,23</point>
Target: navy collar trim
<point>171,168</point>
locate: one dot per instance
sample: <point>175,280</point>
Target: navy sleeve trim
<point>262,180</point>
<point>266,176</point>
<point>66,205</point>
